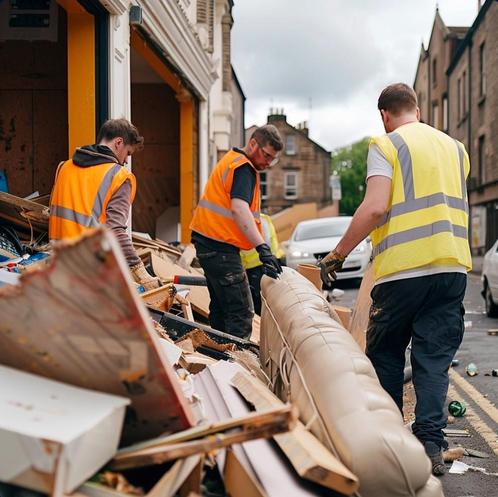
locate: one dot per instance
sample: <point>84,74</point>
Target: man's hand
<point>271,266</point>
<point>142,277</point>
<point>331,263</point>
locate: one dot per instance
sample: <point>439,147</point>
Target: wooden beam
<point>251,427</point>
<point>309,457</point>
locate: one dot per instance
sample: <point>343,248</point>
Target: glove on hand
<point>331,263</point>
<point>142,277</point>
<point>271,266</point>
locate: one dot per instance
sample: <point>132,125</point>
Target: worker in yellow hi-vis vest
<point>253,265</point>
<point>416,212</point>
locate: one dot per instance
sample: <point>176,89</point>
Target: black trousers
<point>231,309</point>
<point>429,311</point>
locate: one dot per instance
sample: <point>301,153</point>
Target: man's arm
<point>118,211</point>
<point>244,219</point>
<point>368,215</point>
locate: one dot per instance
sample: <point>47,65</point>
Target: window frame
<point>293,151</point>
<point>291,174</point>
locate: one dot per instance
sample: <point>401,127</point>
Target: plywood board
<point>80,321</point>
<point>361,310</point>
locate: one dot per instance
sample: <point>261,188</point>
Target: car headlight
<point>299,253</point>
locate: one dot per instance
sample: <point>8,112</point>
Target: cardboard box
<point>53,436</point>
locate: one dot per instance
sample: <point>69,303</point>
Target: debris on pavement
<point>195,396</point>
<point>471,369</point>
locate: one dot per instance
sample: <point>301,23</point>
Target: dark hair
<point>397,98</point>
<point>268,134</point>
<point>114,128</point>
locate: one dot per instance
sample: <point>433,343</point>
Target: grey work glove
<point>142,277</point>
<point>271,266</point>
<point>331,263</point>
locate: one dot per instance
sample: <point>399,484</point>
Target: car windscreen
<point>337,227</point>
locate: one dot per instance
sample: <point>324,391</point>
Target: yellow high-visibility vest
<point>250,258</point>
<point>427,223</point>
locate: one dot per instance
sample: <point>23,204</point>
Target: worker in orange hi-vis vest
<point>227,220</point>
<point>95,188</point>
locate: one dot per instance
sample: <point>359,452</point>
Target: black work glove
<point>331,263</point>
<point>271,266</point>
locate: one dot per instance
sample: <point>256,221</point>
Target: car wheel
<point>491,307</point>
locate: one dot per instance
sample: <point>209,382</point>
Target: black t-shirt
<point>244,182</point>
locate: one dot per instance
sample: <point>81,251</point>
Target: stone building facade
<point>302,173</point>
<point>473,80</point>
<point>465,88</point>
<point>431,83</point>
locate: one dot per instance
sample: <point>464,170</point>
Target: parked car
<point>313,239</point>
<point>489,280</point>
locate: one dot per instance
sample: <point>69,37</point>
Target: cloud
<point>338,53</point>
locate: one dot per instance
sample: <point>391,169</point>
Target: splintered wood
<point>80,321</point>
<point>251,427</point>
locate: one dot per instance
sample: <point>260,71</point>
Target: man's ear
<point>418,113</point>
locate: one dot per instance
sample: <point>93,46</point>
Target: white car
<point>313,239</point>
<point>489,280</point>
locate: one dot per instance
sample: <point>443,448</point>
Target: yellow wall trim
<point>80,74</point>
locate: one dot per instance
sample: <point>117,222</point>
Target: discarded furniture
<point>80,321</point>
<point>313,361</point>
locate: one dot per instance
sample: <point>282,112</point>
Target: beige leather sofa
<point>314,362</point>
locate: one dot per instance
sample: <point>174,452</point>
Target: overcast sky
<point>326,61</point>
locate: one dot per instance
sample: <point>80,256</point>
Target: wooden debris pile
<point>80,321</point>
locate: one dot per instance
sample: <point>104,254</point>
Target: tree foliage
<point>350,163</point>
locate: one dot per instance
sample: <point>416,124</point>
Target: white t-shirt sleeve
<point>377,164</point>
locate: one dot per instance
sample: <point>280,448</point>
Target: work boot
<point>435,454</point>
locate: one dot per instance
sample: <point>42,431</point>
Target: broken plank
<point>251,427</point>
<point>309,457</point>
<point>23,213</point>
<point>81,321</point>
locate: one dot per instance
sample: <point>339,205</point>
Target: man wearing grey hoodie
<point>95,188</point>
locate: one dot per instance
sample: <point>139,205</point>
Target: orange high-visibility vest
<point>213,217</point>
<point>80,196</point>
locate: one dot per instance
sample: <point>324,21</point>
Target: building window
<point>290,145</point>
<point>445,113</point>
<point>482,160</point>
<point>263,182</point>
<point>482,71</point>
<point>459,99</point>
<point>464,94</point>
<point>290,185</point>
<point>435,115</point>
<point>434,72</point>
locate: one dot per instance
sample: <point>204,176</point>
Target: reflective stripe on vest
<point>92,220</point>
<point>221,210</point>
<point>412,204</point>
